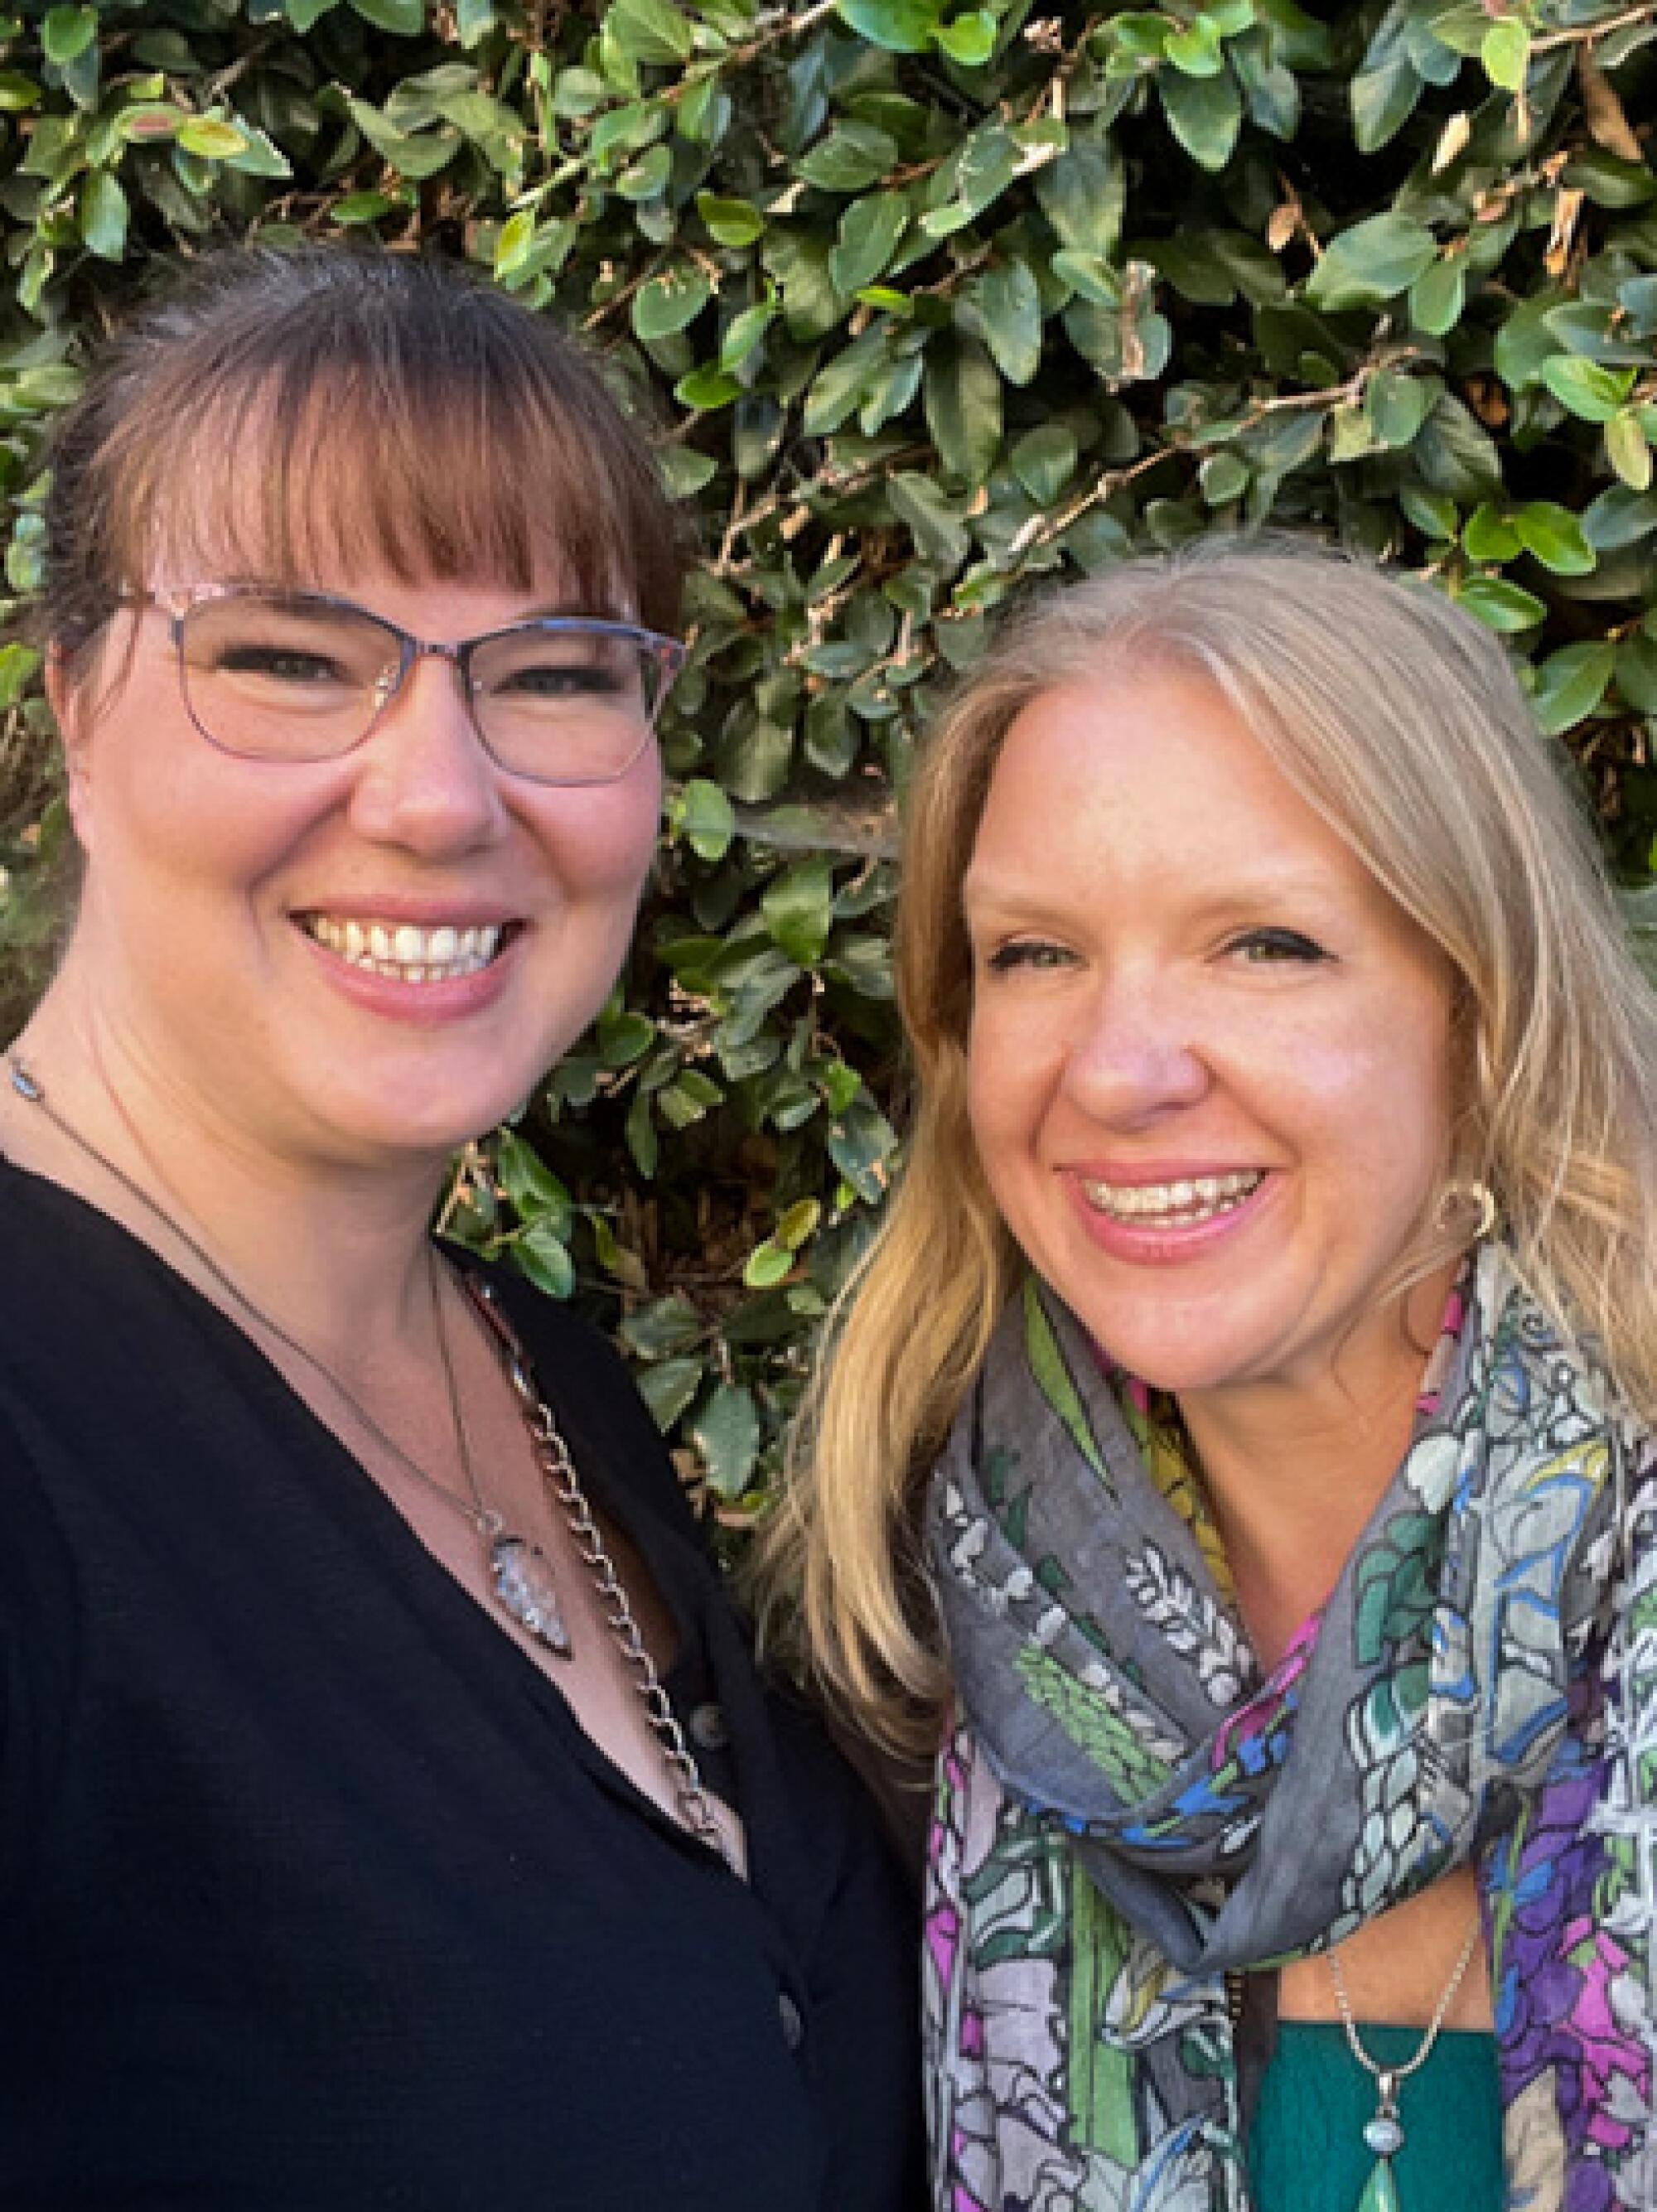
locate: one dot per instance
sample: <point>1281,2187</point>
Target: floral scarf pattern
<point>1128,1807</point>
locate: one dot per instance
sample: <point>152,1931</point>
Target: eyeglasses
<point>301,677</point>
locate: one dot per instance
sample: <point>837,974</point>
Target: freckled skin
<point>1180,969</point>
<point>186,949</point>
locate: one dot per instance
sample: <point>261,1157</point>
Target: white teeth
<point>408,954</point>
<point>1176,1204</point>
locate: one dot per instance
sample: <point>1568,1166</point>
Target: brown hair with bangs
<point>279,408</point>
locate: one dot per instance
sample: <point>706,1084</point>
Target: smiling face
<point>377,955</point>
<point>1209,1060</point>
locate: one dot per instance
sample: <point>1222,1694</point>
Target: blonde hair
<point>1398,718</point>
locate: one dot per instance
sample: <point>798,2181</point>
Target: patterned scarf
<point>1128,1808</point>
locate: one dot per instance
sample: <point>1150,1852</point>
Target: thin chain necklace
<point>1384,2133</point>
<point>521,1575</point>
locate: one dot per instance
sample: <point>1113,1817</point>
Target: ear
<point>67,697</point>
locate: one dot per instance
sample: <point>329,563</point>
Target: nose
<point>1136,1055</point>
<point>424,780</point>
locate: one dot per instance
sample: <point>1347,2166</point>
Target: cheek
<point>1380,1093</point>
<point>600,843</point>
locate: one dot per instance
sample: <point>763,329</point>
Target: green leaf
<point>624,1038</point>
<point>768,1265</point>
<point>704,817</point>
<point>1205,113</point>
<point>669,301</point>
<point>901,27</point>
<point>733,222</point>
<point>1433,514</point>
<point>1374,260</point>
<point>650,31</point>
<point>961,394</point>
<point>798,907</point>
<point>17,93</point>
<point>1585,387</point>
<point>1090,275</point>
<point>861,1144</point>
<point>541,1255</point>
<point>1398,404</point>
<point>939,534</point>
<point>1490,536</point>
<point>101,216</point>
<point>210,138</point>
<point>1628,450</point>
<point>1571,684</point>
<point>969,40</point>
<point>1222,477</point>
<point>1554,536</point>
<point>1010,302</point>
<point>536,1193</point>
<point>853,156</point>
<point>725,1432</point>
<point>404,19</point>
<point>1082,195</point>
<point>1636,672</point>
<point>987,165</point>
<point>1619,517</point>
<point>707,389</point>
<point>1044,461</point>
<point>18,666</point>
<point>1195,51</point>
<point>261,156</point>
<point>67,33</point>
<point>1500,606</point>
<point>1506,54</point>
<point>868,236</point>
<point>1438,295</point>
<point>668,1388</point>
<point>1383,100</point>
<point>745,332</point>
<point>800,1223</point>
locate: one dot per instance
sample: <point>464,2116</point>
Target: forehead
<point>1151,787</point>
<point>321,495</point>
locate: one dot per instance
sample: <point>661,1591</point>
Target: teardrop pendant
<point>1380,2191</point>
<point>526,1588</point>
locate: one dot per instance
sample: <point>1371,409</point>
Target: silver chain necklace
<point>1384,2133</point>
<point>521,1574</point>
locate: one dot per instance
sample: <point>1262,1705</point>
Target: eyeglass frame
<point>670,653</point>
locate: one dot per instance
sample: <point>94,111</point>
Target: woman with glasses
<point>1236,1457</point>
<point>390,1814</point>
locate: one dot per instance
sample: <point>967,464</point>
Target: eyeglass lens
<point>276,679</point>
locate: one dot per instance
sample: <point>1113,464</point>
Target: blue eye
<point>1272,947</point>
<point>1027,952</point>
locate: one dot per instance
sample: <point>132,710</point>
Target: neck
<point>1293,1470</point>
<point>334,1253</point>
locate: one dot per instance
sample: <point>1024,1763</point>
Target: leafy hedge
<point>929,301</point>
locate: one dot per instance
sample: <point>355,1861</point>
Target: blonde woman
<point>1236,1451</point>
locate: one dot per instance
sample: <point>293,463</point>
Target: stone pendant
<point>1380,2191</point>
<point>525,1586</point>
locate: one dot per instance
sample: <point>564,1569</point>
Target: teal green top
<point>1305,2150</point>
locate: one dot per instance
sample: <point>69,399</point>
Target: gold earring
<point>1477,1195</point>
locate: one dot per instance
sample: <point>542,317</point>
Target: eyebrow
<point>1033,897</point>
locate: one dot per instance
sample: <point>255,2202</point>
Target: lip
<point>1148,1244</point>
<point>430,1006</point>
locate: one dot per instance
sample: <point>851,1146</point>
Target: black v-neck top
<point>313,1893</point>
